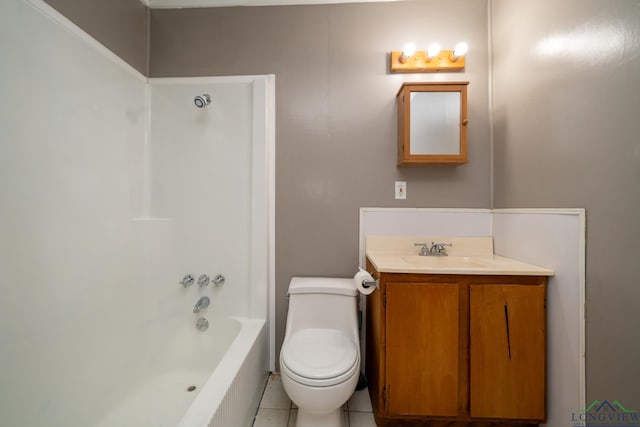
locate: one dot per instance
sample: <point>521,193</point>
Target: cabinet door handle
<point>506,321</point>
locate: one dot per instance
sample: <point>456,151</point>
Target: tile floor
<point>277,410</point>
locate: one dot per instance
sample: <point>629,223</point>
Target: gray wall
<point>335,112</point>
<point>567,134</point>
<point>120,25</point>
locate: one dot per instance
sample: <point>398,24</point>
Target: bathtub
<point>224,367</point>
<point>139,377</point>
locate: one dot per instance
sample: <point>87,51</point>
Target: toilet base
<point>332,419</point>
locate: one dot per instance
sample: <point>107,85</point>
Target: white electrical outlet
<point>401,189</point>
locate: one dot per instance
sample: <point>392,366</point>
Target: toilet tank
<point>323,302</point>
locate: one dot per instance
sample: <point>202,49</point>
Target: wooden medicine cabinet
<point>432,123</point>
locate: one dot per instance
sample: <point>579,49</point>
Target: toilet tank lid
<point>322,285</point>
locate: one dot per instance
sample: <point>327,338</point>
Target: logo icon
<point>606,414</point>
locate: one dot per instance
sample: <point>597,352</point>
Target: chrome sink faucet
<point>202,303</point>
<point>436,249</point>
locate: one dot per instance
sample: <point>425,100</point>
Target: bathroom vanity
<point>455,339</point>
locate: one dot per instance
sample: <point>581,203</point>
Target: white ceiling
<point>178,4</point>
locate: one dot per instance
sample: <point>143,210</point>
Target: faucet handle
<point>424,248</point>
<point>219,280</point>
<point>439,247</point>
<point>187,280</point>
<point>203,280</point>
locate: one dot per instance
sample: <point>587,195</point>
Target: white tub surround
<point>466,255</point>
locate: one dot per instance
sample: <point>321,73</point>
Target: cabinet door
<point>422,349</point>
<point>508,347</point>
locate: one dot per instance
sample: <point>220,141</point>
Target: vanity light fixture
<point>433,59</point>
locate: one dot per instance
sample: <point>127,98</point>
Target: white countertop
<point>466,256</point>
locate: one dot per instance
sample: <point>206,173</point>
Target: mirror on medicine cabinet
<point>432,123</point>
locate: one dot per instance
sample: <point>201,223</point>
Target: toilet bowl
<point>320,355</point>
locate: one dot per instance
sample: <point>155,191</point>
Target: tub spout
<point>202,303</point>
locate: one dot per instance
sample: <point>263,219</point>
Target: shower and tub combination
<point>207,213</point>
<point>135,237</point>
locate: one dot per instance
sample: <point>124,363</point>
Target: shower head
<point>202,101</point>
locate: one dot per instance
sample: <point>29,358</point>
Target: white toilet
<point>320,355</point>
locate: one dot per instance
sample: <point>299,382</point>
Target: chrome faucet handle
<point>187,280</point>
<point>219,280</point>
<point>439,248</point>
<point>203,280</point>
<point>424,248</point>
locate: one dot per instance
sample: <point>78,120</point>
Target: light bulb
<point>433,50</point>
<point>460,50</point>
<point>408,50</point>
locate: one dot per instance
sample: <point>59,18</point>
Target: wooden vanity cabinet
<point>456,349</point>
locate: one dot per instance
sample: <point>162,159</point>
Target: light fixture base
<point>419,63</point>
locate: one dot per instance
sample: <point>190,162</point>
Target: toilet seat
<point>319,357</point>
